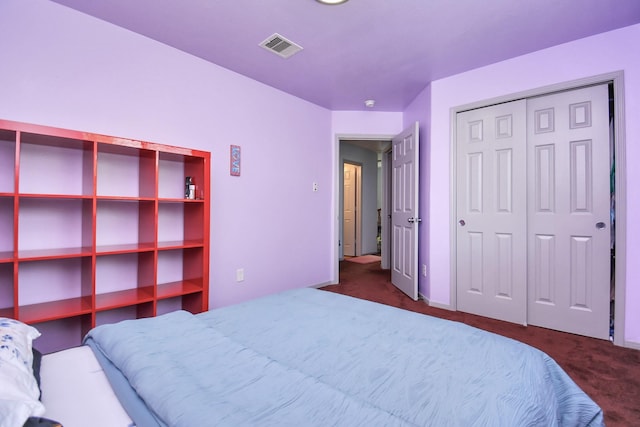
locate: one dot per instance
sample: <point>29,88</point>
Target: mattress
<point>76,392</point>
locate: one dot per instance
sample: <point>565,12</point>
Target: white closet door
<point>491,212</point>
<point>568,198</point>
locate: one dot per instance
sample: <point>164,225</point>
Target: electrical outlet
<point>424,270</point>
<point>240,275</point>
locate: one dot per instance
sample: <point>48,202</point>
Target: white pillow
<point>15,343</point>
<point>18,387</point>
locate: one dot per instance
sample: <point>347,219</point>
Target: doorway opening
<point>399,201</point>
<point>362,193</point>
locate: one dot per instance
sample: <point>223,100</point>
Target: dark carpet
<point>610,375</point>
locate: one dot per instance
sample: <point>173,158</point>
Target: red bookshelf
<point>95,228</point>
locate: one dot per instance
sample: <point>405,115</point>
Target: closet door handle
<point>462,223</point>
<point>600,225</point>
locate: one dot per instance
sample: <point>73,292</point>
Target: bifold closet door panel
<point>568,203</point>
<point>491,211</point>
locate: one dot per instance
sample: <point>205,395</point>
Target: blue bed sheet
<point>313,358</point>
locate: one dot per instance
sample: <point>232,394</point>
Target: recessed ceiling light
<point>331,1</point>
<point>369,103</point>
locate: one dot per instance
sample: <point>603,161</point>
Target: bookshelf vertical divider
<point>95,229</point>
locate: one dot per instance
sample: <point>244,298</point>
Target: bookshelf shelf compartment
<point>53,310</point>
<point>112,300</point>
<point>174,289</point>
<point>96,229</point>
<point>62,333</point>
<point>55,165</point>
<point>121,249</point>
<point>6,228</point>
<point>6,290</point>
<point>54,223</point>
<point>7,161</point>
<point>45,254</point>
<point>179,244</point>
<point>136,217</point>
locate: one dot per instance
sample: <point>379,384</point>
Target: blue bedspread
<point>313,358</point>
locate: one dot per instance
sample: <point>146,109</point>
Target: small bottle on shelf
<point>192,191</point>
<point>190,188</point>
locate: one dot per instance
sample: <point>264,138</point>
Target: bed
<point>309,357</point>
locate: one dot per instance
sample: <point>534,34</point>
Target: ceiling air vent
<point>281,46</point>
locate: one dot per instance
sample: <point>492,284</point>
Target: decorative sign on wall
<point>235,160</point>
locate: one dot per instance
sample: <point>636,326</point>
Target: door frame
<point>385,211</point>
<point>617,79</point>
<point>337,192</point>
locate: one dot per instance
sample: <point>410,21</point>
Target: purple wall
<point>366,123</point>
<point>600,54</point>
<point>63,68</point>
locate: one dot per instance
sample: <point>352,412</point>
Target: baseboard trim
<point>632,344</point>
<point>321,285</point>
<point>434,304</point>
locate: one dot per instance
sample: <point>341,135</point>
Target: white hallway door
<point>350,215</point>
<point>533,233</point>
<point>404,211</point>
